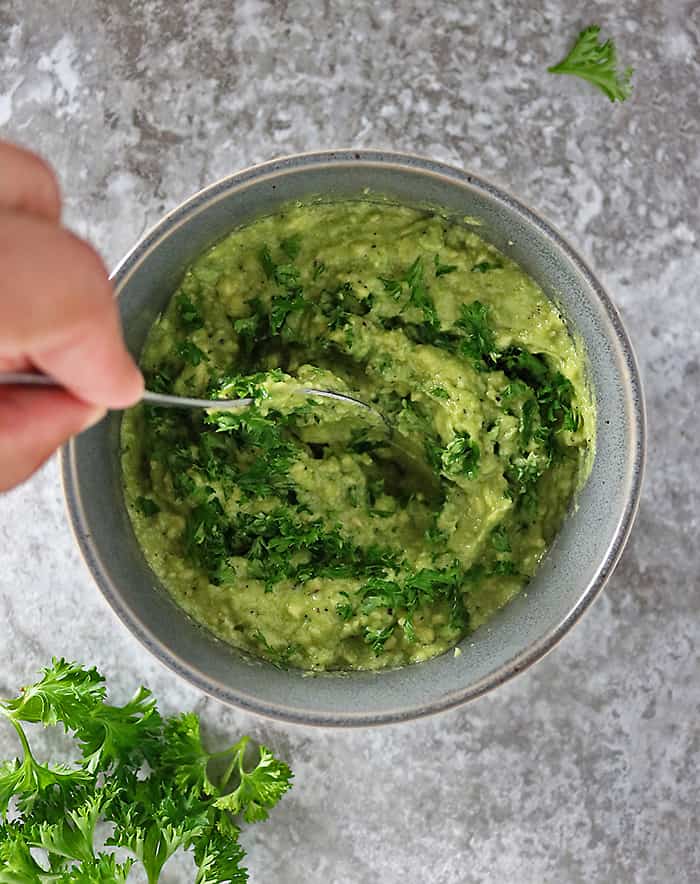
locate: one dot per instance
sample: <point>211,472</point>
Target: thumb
<point>33,423</point>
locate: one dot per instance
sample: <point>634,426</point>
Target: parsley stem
<point>236,761</point>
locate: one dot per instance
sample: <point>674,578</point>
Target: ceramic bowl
<point>571,575</point>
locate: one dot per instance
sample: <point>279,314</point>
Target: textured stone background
<point>585,768</point>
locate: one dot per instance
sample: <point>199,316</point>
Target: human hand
<point>57,314</point>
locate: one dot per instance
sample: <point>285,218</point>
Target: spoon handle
<point>36,379</point>
<point>27,379</point>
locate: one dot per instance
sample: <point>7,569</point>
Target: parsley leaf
<point>291,246</point>
<point>479,341</point>
<point>259,788</point>
<point>65,693</point>
<point>189,316</point>
<point>486,266</point>
<point>146,506</point>
<point>418,293</point>
<point>377,638</point>
<point>499,539</point>
<point>218,855</point>
<point>596,62</point>
<point>268,265</point>
<point>191,353</point>
<point>461,456</point>
<point>282,305</point>
<point>443,269</point>
<point>345,610</point>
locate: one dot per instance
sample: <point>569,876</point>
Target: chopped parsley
<point>461,457</point>
<point>291,246</point>
<point>146,506</point>
<point>377,638</point>
<point>500,540</point>
<point>188,314</point>
<point>191,353</point>
<point>443,269</point>
<point>479,342</point>
<point>486,266</point>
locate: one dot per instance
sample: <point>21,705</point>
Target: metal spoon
<point>410,455</point>
<point>35,379</point>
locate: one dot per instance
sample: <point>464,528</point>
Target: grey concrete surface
<point>584,769</point>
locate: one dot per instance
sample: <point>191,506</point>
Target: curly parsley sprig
<point>149,777</point>
<point>596,62</point>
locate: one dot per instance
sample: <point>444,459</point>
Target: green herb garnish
<point>418,293</point>
<point>500,540</point>
<point>461,457</point>
<point>148,778</point>
<point>443,269</point>
<point>146,506</point>
<point>596,62</point>
<point>291,246</point>
<point>191,353</point>
<point>188,314</point>
<point>376,638</point>
<point>486,266</point>
<point>479,340</point>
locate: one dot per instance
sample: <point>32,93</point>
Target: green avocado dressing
<point>291,529</point>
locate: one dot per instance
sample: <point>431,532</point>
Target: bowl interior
<point>570,576</point>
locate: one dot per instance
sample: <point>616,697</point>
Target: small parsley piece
<point>394,287</point>
<point>461,457</point>
<point>439,393</point>
<point>479,341</point>
<point>291,246</point>
<point>146,506</point>
<point>345,610</point>
<point>281,307</point>
<point>443,269</point>
<point>268,265</point>
<point>248,330</point>
<point>504,568</point>
<point>522,475</point>
<point>189,316</point>
<point>500,540</point>
<point>596,62</point>
<point>377,638</point>
<point>191,353</point>
<point>418,293</point>
<point>146,778</point>
<point>486,266</point>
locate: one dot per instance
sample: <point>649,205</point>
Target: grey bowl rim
<point>636,454</point>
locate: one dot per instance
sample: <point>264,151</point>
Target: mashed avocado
<point>293,528</point>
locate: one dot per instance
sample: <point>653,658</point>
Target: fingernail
<point>93,418</point>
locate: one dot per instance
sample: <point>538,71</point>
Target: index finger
<point>57,309</point>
